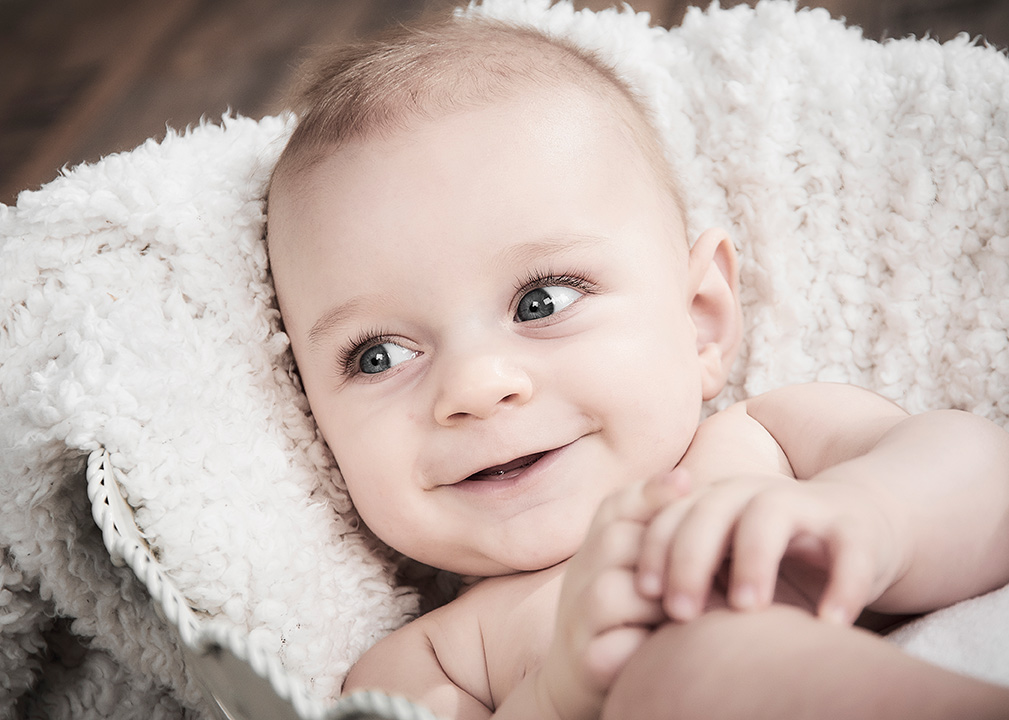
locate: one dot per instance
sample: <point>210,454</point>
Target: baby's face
<point>492,319</point>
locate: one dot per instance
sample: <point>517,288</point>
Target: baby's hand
<point>755,521</point>
<point>602,618</point>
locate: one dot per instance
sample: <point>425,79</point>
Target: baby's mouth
<point>508,470</point>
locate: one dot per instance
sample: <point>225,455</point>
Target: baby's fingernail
<point>664,479</point>
<point>834,614</point>
<point>676,479</point>
<point>650,585</point>
<point>681,607</point>
<point>744,597</point>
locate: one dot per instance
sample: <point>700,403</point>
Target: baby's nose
<point>477,386</point>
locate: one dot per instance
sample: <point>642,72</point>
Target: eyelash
<point>540,280</point>
<point>349,357</point>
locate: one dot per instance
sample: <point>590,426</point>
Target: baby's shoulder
<point>436,660</point>
<point>821,424</point>
<point>470,653</point>
<point>732,442</point>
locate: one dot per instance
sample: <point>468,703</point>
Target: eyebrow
<point>529,252</point>
<point>332,319</point>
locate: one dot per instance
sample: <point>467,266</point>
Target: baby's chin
<point>513,564</point>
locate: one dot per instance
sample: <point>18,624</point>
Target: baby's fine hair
<point>378,87</point>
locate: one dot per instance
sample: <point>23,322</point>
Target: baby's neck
<point>468,582</point>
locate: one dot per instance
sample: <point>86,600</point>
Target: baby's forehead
<point>578,101</point>
<point>559,111</point>
<point>389,88</point>
<point>385,84</point>
<point>570,105</point>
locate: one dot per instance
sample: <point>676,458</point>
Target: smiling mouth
<point>508,470</point>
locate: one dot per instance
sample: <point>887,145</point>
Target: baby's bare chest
<point>517,637</point>
<point>509,625</point>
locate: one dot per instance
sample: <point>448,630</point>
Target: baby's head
<point>394,83</point>
<point>480,257</point>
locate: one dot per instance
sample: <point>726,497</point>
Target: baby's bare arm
<point>781,662</point>
<point>942,477</point>
<point>885,504</point>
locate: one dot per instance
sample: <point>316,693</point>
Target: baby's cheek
<point>374,507</point>
<point>664,436</point>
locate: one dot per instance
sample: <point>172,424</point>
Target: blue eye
<point>379,358</point>
<point>542,302</point>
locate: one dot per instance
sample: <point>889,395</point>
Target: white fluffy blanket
<point>866,186</point>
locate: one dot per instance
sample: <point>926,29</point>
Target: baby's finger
<point>765,528</point>
<point>612,601</point>
<point>614,544</point>
<point>850,584</point>
<point>653,558</point>
<point>608,653</point>
<point>676,483</point>
<point>641,500</point>
<point>697,549</point>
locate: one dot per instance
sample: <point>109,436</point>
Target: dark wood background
<point>83,78</point>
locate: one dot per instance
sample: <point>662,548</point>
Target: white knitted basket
<point>240,679</point>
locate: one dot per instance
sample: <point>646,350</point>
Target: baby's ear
<point>715,310</point>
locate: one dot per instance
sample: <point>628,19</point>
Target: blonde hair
<point>380,86</point>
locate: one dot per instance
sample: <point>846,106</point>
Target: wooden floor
<point>84,78</point>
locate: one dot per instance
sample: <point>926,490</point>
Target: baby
<point>506,338</point>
